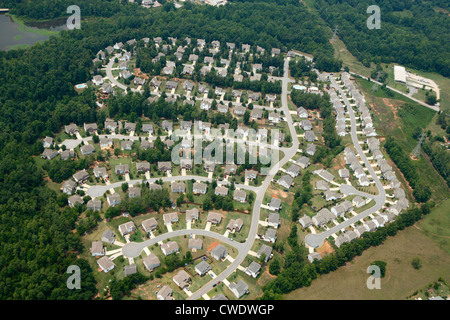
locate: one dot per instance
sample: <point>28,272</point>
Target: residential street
<point>316,240</point>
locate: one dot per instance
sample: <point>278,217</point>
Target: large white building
<point>399,74</point>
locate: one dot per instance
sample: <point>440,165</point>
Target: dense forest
<point>51,9</point>
<point>37,97</point>
<point>402,160</point>
<point>413,33</point>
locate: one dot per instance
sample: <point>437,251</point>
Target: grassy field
<point>436,225</point>
<point>401,280</point>
<point>397,116</point>
<point>341,52</point>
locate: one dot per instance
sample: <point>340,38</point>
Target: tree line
<point>300,273</point>
<point>411,32</point>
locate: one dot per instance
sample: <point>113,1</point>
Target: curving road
<point>316,240</point>
<point>288,154</point>
<point>98,190</point>
<point>435,108</point>
<point>134,249</point>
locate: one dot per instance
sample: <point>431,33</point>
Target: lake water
<point>12,34</point>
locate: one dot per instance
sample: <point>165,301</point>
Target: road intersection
<point>134,249</point>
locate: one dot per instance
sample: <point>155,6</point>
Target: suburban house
<point>358,201</point>
<point>253,269</point>
<point>90,127</point>
<point>71,129</point>
<point>303,162</point>
<point>147,127</point>
<point>105,264</point>
<point>122,169</point>
<point>219,252</point>
<point>199,188</point>
<point>130,269</point>
<point>81,176</point>
<point>87,149</point>
<point>108,236</point>
<point>340,240</point>
<point>314,256</point>
<point>202,268</point>
<point>230,169</point>
<point>48,142</point>
<point>196,244</point>
<point>240,195</point>
<point>113,199</point>
<point>302,113</point>
<point>178,187</point>
<point>310,136</point>
<point>49,154</point>
<point>170,218</point>
<point>324,175</point>
<point>273,220</point>
<point>250,174</point>
<point>239,288</point>
<point>149,224</point>
<point>145,144</point>
<point>271,235</point>
<point>105,142</point>
<point>293,170</point>
<point>221,191</point>
<point>360,230</point>
<point>192,215</point>
<point>151,262</point>
<point>97,80</point>
<point>311,149</point>
<point>182,279</point>
<point>164,166</point>
<point>69,186</point>
<point>285,181</point>
<point>214,218</point>
<point>256,114</point>
<point>165,293</point>
<point>352,235</point>
<point>75,200</point>
<point>274,117</point>
<point>306,125</point>
<point>134,192</point>
<point>167,125</point>
<point>370,226</point>
<point>235,225</point>
<point>94,205</point>
<point>305,221</point>
<point>126,228</point>
<point>266,250</point>
<point>142,166</point>
<point>126,145</point>
<point>344,173</point>
<point>169,248</point>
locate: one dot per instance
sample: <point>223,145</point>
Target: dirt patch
<point>212,246</point>
<point>388,103</point>
<point>139,73</point>
<point>276,193</point>
<point>325,249</point>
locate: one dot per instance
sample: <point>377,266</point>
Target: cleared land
<point>401,280</point>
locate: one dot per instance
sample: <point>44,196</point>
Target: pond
<point>14,34</point>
